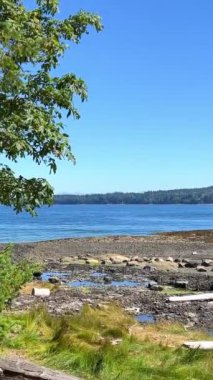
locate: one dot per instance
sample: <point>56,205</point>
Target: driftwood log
<point>16,366</point>
<point>202,345</point>
<point>41,292</point>
<point>194,297</point>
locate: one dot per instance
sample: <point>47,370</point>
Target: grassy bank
<point>105,344</point>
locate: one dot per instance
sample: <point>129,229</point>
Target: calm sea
<point>63,221</point>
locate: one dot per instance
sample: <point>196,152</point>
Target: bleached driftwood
<point>16,366</point>
<point>193,297</point>
<point>40,292</point>
<point>202,345</point>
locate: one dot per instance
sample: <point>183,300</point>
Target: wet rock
<point>159,259</point>
<point>156,287</point>
<point>107,280</point>
<point>54,280</point>
<point>201,269</point>
<point>64,281</point>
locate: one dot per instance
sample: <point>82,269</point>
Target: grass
<point>170,291</point>
<point>86,345</point>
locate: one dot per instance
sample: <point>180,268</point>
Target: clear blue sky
<point>148,123</point>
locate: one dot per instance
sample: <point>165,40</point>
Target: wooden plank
<point>17,366</point>
<point>202,345</point>
<point>193,297</point>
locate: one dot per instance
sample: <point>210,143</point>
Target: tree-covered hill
<point>185,196</point>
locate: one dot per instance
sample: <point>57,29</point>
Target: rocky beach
<point>138,273</point>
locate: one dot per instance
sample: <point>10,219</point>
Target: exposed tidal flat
<point>138,273</point>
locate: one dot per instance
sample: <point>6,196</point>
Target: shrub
<point>12,275</point>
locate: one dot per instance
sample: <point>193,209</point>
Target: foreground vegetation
<point>12,275</point>
<point>105,344</point>
<point>185,196</point>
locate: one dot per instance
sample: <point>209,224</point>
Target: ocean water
<point>64,221</point>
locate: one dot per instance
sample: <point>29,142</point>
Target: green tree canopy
<point>32,99</point>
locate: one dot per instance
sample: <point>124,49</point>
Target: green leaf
<point>32,99</point>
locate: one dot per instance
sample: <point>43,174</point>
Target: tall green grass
<point>84,345</point>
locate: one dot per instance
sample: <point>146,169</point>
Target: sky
<point>147,124</point>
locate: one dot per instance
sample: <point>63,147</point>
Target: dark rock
<point>132,263</point>
<point>107,280</point>
<point>177,260</point>
<point>37,274</point>
<point>192,263</point>
<point>149,268</point>
<point>181,265</point>
<point>181,284</point>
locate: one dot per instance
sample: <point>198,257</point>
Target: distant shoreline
<point>131,204</point>
<point>195,196</point>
